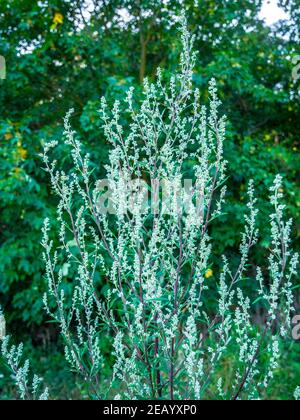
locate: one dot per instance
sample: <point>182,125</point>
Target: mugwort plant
<point>139,273</point>
<point>28,388</point>
<point>164,339</point>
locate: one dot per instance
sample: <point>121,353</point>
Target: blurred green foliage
<point>62,54</point>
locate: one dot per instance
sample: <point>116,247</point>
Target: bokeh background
<point>68,53</point>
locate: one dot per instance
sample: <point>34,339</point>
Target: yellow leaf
<point>22,153</point>
<point>8,136</point>
<point>209,273</point>
<point>58,18</point>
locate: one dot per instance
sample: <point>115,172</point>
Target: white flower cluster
<point>155,308</point>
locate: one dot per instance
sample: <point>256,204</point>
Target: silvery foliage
<point>166,342</point>
<point>29,388</point>
<point>2,325</point>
